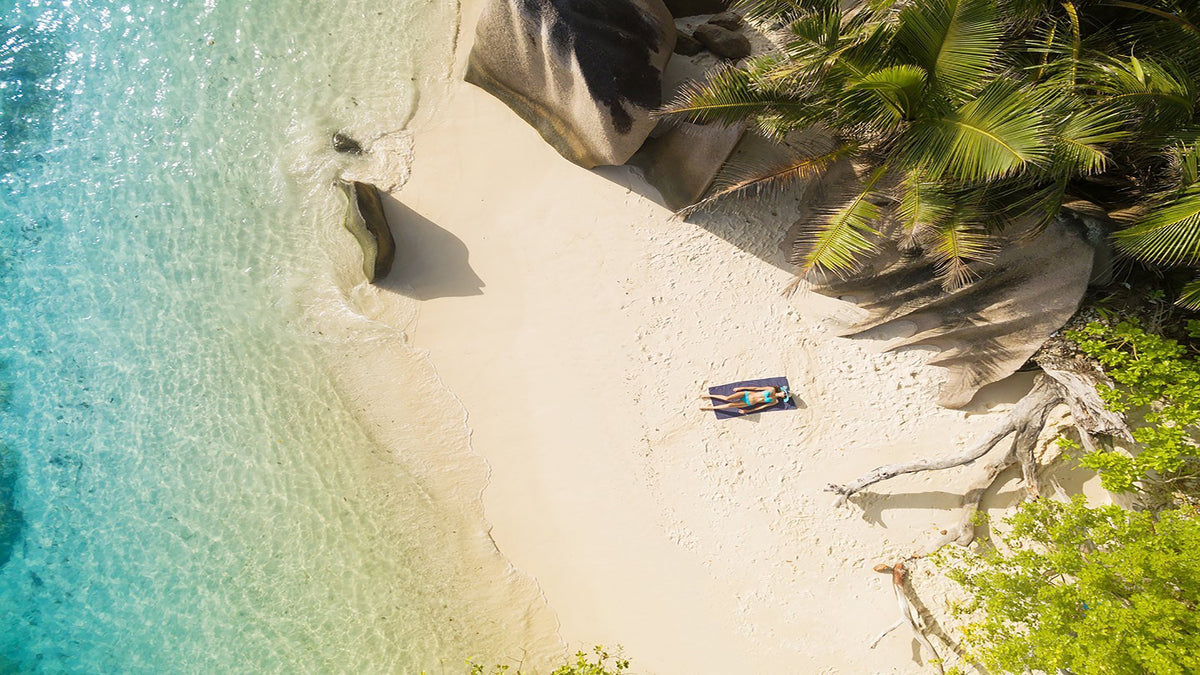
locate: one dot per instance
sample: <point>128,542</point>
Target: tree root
<point>1026,419</point>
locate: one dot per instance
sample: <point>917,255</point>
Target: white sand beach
<point>579,321</point>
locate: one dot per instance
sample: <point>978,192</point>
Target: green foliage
<point>599,662</point>
<point>1158,387</point>
<point>1003,109</point>
<point>1085,590</point>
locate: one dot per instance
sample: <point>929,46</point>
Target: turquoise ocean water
<point>185,483</point>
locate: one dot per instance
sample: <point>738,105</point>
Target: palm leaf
<point>1190,296</point>
<point>956,41</point>
<point>780,10</point>
<point>739,182</point>
<point>1145,84</point>
<point>886,97</point>
<point>922,204</point>
<point>1169,233</point>
<point>1082,136</point>
<point>998,134</point>
<point>843,236</point>
<point>954,246</point>
<point>729,96</point>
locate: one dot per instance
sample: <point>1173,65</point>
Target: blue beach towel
<point>726,389</point>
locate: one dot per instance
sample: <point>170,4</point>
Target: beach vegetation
<point>1156,383</point>
<point>600,661</point>
<point>1079,589</point>
<point>968,118</point>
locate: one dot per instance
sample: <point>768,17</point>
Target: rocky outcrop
<point>682,163</point>
<point>988,329</point>
<point>366,221</point>
<point>723,42</point>
<point>343,143</point>
<point>585,73</point>
<point>680,8</point>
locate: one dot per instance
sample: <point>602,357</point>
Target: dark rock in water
<point>723,42</point>
<point>585,73</point>
<point>680,8</point>
<point>686,45</point>
<point>343,143</point>
<point>12,521</point>
<point>727,20</point>
<point>366,221</point>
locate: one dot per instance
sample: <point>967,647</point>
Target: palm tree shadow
<point>430,261</point>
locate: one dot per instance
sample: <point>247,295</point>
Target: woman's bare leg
<point>727,406</point>
<point>726,398</point>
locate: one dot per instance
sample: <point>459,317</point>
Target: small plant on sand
<point>1158,387</point>
<point>599,662</point>
<point>1085,590</point>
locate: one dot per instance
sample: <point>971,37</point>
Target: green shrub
<point>1085,590</point>
<point>600,662</point>
<point>1158,389</point>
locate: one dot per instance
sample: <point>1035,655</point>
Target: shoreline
<point>577,321</point>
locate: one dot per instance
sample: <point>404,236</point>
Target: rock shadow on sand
<point>431,262</point>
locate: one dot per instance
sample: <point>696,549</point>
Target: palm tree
<point>967,116</point>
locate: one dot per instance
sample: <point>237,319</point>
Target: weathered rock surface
<point>686,45</point>
<point>680,8</point>
<point>682,163</point>
<point>366,221</point>
<point>585,73</point>
<point>723,42</point>
<point>988,329</point>
<point>342,142</point>
<point>727,20</point>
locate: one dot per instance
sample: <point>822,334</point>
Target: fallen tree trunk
<point>1026,418</point>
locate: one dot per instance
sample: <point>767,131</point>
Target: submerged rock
<point>585,73</point>
<point>366,221</point>
<point>11,520</point>
<point>346,144</point>
<point>723,42</point>
<point>680,8</point>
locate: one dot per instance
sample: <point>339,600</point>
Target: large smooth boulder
<point>585,73</point>
<point>693,7</point>
<point>366,221</point>
<point>987,330</point>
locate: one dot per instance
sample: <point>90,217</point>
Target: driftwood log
<point>1060,382</point>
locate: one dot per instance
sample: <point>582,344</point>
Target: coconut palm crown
<point>967,116</point>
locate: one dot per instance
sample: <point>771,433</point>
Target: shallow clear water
<point>183,484</point>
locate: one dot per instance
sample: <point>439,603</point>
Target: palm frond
<point>780,10</point>
<point>998,134</point>
<point>956,41</point>
<point>730,96</point>
<point>1169,232</point>
<point>1175,17</point>
<point>1082,137</point>
<point>1184,159</point>
<point>922,204</point>
<point>742,182</point>
<point>1154,85</point>
<point>1189,297</point>
<point>839,240</point>
<point>955,247</point>
<point>885,97</point>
